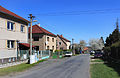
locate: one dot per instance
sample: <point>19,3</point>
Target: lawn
<point>17,68</point>
<point>102,71</point>
<point>97,60</point>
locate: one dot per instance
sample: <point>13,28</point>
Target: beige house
<point>43,39</point>
<point>63,43</point>
<point>13,30</point>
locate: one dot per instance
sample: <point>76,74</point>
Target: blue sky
<point>80,27</point>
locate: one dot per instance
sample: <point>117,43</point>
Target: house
<point>13,30</point>
<point>42,39</point>
<point>62,43</point>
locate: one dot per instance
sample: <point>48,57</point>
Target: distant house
<point>62,43</point>
<point>13,30</point>
<point>42,39</point>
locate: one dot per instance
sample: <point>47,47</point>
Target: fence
<point>24,54</point>
<point>58,54</point>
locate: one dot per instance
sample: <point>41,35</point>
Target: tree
<point>82,44</point>
<point>114,37</point>
<point>96,44</point>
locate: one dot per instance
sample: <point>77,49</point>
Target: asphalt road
<point>72,67</point>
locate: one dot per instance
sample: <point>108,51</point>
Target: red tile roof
<point>86,48</point>
<point>5,11</point>
<point>26,44</point>
<point>61,36</point>
<point>40,30</point>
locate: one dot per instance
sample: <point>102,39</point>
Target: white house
<point>13,30</point>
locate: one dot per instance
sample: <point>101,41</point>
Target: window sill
<point>22,32</point>
<point>11,30</point>
<point>11,48</point>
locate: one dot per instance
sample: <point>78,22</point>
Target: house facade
<point>63,43</point>
<point>43,39</point>
<point>13,30</point>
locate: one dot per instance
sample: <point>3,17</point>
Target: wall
<point>10,35</point>
<point>62,44</point>
<point>50,43</point>
<point>41,42</point>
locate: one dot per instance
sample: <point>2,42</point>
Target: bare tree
<point>96,44</point>
<point>82,44</point>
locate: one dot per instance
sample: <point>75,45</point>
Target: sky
<point>77,19</point>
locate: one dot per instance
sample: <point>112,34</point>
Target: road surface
<point>71,67</point>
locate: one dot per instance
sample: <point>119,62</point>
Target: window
<point>60,43</point>
<point>47,47</point>
<point>22,28</point>
<point>53,47</point>
<point>10,44</point>
<point>36,38</point>
<point>61,48</point>
<point>37,48</point>
<point>47,38</point>
<point>52,39</point>
<point>10,25</point>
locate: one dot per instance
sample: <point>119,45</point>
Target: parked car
<point>98,55</point>
<point>68,53</point>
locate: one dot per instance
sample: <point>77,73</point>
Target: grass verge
<point>97,60</point>
<point>102,71</point>
<point>17,68</point>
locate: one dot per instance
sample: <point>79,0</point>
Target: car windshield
<point>98,53</point>
<point>68,52</point>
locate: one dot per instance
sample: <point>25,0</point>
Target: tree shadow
<point>113,64</point>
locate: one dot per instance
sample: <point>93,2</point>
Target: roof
<point>26,44</point>
<point>86,48</point>
<point>5,11</point>
<point>40,30</point>
<point>61,36</point>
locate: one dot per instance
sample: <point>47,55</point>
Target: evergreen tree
<point>114,37</point>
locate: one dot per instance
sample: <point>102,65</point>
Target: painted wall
<point>63,45</point>
<point>50,43</point>
<point>5,35</point>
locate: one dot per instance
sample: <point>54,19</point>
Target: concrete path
<point>72,67</point>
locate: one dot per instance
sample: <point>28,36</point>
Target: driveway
<point>71,67</point>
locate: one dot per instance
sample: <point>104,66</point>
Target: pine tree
<point>114,37</point>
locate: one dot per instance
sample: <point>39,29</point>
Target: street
<point>71,67</point>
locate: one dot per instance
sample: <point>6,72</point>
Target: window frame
<point>53,47</point>
<point>60,43</point>
<point>10,44</point>
<point>22,28</point>
<point>10,26</point>
<point>34,39</point>
<point>48,39</point>
<point>53,39</point>
<point>48,47</point>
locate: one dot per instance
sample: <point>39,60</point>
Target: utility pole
<point>73,46</point>
<point>31,20</point>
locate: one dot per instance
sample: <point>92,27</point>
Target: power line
<point>79,12</point>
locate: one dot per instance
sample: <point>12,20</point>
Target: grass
<point>17,68</point>
<point>97,60</point>
<point>102,71</point>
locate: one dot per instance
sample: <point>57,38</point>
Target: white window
<point>10,25</point>
<point>10,43</point>
<point>60,43</point>
<point>22,28</point>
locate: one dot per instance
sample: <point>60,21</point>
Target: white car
<point>68,53</point>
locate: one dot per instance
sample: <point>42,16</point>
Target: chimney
<point>61,35</point>
<point>38,24</point>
